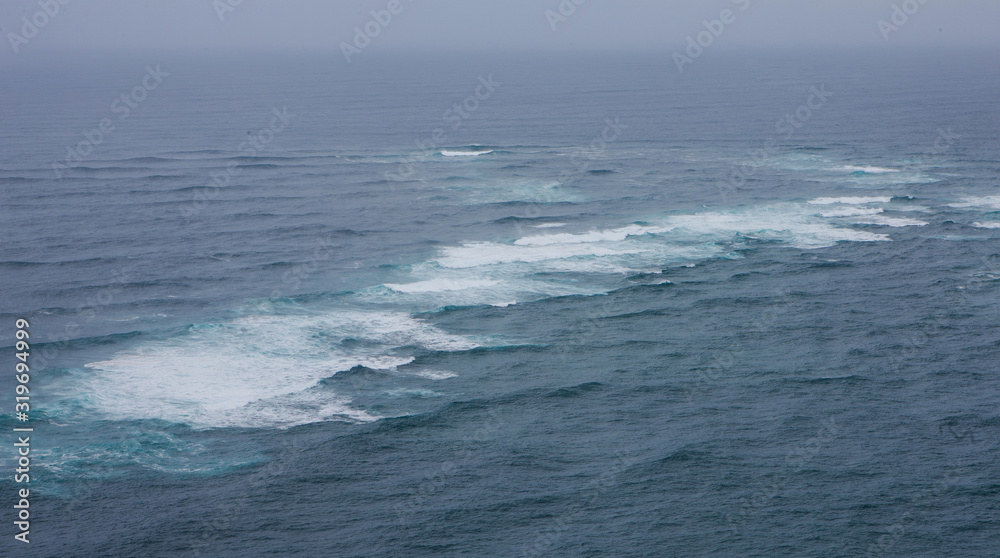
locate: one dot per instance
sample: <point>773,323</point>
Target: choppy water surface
<point>612,312</point>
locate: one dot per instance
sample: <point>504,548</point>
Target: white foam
<point>988,225</point>
<point>258,371</point>
<point>497,285</point>
<point>478,254</point>
<point>628,262</point>
<point>612,235</point>
<point>265,370</point>
<point>549,225</point>
<point>435,374</point>
<point>505,273</point>
<point>850,200</point>
<point>891,221</point>
<point>465,153</point>
<point>988,202</point>
<point>837,171</point>
<point>518,269</point>
<point>441,284</point>
<point>852,212</point>
<point>285,411</point>
<point>789,223</point>
<point>406,392</point>
<point>867,169</point>
<point>912,209</point>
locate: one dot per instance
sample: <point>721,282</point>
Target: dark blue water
<point>280,307</point>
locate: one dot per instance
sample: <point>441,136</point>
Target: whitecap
<point>867,169</point>
<point>478,254</point>
<point>851,200</point>
<point>891,221</point>
<point>435,374</point>
<point>789,223</point>
<point>448,153</point>
<point>441,284</point>
<point>612,235</point>
<point>987,202</point>
<point>852,212</point>
<point>257,371</point>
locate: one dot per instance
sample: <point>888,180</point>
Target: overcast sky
<point>216,25</point>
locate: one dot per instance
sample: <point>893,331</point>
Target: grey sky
<point>463,24</point>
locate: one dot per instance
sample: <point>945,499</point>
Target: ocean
<point>505,305</point>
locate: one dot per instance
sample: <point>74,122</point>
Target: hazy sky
<point>463,24</point>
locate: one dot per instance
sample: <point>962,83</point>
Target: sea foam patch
<point>456,153</point>
<point>266,370</point>
<point>859,174</point>
<point>478,254</point>
<point>613,235</point>
<point>549,225</point>
<point>442,284</point>
<point>565,263</point>
<point>978,202</point>
<point>852,212</point>
<point>866,169</point>
<point>529,267</point>
<point>887,221</point>
<point>258,371</point>
<point>851,200</point>
<point>793,224</point>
